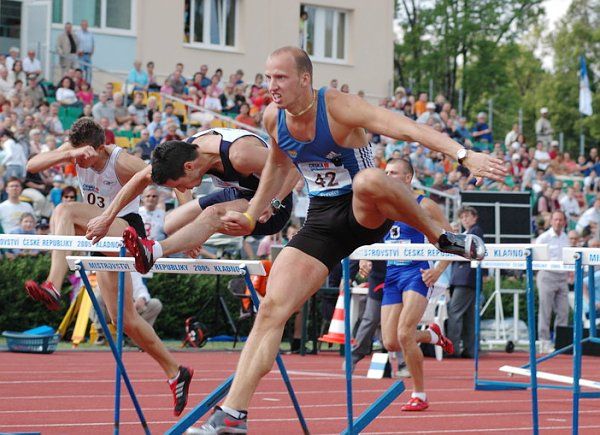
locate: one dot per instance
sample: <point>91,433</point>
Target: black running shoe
<point>180,388</point>
<point>469,246</point>
<point>141,249</point>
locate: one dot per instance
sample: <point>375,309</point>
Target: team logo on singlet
<point>395,232</point>
<point>335,158</point>
<point>108,183</point>
<point>292,153</point>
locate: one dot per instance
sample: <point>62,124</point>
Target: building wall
<point>264,25</point>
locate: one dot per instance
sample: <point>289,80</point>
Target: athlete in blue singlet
<point>323,134</point>
<point>406,291</point>
<point>234,159</point>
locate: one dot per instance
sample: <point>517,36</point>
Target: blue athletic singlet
<point>328,169</point>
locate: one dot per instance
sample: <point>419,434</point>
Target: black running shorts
<point>133,220</point>
<point>331,231</point>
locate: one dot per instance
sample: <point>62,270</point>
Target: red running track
<point>72,393</point>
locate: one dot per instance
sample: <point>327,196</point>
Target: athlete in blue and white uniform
<point>406,292</point>
<point>234,158</point>
<point>323,134</point>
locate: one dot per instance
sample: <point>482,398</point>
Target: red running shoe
<point>415,404</point>
<point>44,293</point>
<point>444,341</point>
<point>180,388</point>
<point>141,249</point>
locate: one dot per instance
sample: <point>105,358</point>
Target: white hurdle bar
<point>167,265</point>
<point>428,252</point>
<point>59,243</point>
<point>549,376</point>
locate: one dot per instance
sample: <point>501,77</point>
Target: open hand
<point>485,166</point>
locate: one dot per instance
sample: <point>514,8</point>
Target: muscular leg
<point>181,216</point>
<point>295,276</point>
<point>201,228</point>
<point>70,219</point>
<point>389,326</point>
<point>133,324</point>
<point>377,197</point>
<point>409,337</point>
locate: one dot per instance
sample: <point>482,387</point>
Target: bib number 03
<point>94,199</point>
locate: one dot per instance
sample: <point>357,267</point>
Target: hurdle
<point>497,253</point>
<point>205,267</point>
<point>78,243</point>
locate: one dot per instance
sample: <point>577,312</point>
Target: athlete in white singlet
<point>102,171</point>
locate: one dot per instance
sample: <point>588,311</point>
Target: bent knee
<point>406,336</point>
<point>391,344</point>
<point>272,313</point>
<point>368,181</point>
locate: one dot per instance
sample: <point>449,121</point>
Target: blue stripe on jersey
<point>328,168</point>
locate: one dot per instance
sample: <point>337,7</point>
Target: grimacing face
<point>284,83</point>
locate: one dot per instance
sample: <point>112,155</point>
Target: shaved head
<point>303,62</point>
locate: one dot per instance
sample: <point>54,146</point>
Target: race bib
<point>322,176</point>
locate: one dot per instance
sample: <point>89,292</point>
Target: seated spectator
<point>228,99</point>
<point>151,108</point>
<point>177,83</point>
<point>156,122</point>
<point>17,73</point>
<point>481,131</point>
<point>542,156</point>
<point>121,113</point>
<point>87,111</point>
<point>244,116</point>
<point>137,109</point>
<point>420,105</point>
<point>156,137</point>
<point>85,94</point>
<point>153,85</point>
<point>590,216</point>
<point>56,193</point>
<point>137,80</point>
<point>430,116</point>
<point>13,159</point>
<point>27,224</point>
<point>108,133</point>
<point>65,94</point>
<point>31,64</point>
<point>213,94</point>
<point>570,205</point>
<point>143,146</point>
<point>153,217</point>
<point>34,91</point>
<point>5,84</point>
<point>12,209</point>
<point>104,109</point>
<point>53,122</point>
<point>169,116</point>
<point>42,228</point>
<point>172,133</point>
<point>37,187</point>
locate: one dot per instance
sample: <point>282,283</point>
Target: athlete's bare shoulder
<point>270,120</point>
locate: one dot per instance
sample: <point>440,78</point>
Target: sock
<point>434,337</point>
<point>239,415</point>
<point>174,378</point>
<point>421,396</point>
<point>157,251</point>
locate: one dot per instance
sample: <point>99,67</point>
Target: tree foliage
<point>490,49</point>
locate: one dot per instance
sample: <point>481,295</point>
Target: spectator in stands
<point>430,116</point>
<point>333,84</point>
<point>104,109</point>
<point>65,95</point>
<point>151,108</point>
<point>17,73</point>
<point>121,113</point>
<point>12,209</point>
<point>5,84</point>
<point>86,49</point>
<point>244,116</point>
<point>570,166</point>
<point>590,216</point>
<point>570,205</point>
<point>42,228</point>
<point>108,133</point>
<point>345,88</point>
<point>143,146</point>
<point>35,141</point>
<point>13,56</point>
<point>56,193</point>
<point>53,122</point>
<point>31,64</point>
<point>137,109</point>
<point>172,133</point>
<point>228,99</point>
<point>156,122</point>
<point>153,85</point>
<point>156,137</point>
<point>420,105</point>
<point>168,116</point>
<point>542,156</point>
<point>34,91</point>
<point>137,79</point>
<point>461,309</point>
<point>27,223</point>
<point>543,128</point>
<point>109,88</point>
<point>512,136</point>
<point>14,158</point>
<point>153,217</point>
<point>213,93</point>
<point>85,95</point>
<point>67,46</point>
<point>177,82</point>
<point>481,131</point>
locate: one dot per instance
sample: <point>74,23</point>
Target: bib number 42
<point>326,179</point>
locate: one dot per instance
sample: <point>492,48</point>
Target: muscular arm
<point>46,160</point>
<point>353,112</point>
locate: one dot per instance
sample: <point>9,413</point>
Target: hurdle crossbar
<point>169,265</point>
<point>550,376</point>
<point>59,243</point>
<point>554,266</point>
<point>428,252</point>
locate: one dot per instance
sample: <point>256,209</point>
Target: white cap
<point>544,110</point>
<point>430,105</point>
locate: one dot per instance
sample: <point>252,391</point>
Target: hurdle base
<point>589,395</point>
<point>488,385</point>
<point>376,408</point>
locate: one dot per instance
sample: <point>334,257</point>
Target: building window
<point>210,22</point>
<point>100,14</point>
<point>323,32</point>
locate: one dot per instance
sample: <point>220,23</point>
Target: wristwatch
<point>277,204</point>
<point>461,155</point>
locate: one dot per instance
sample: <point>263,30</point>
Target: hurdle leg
<point>577,333</point>
<point>120,304</point>
<point>113,348</point>
<point>478,281</point>
<point>531,332</point>
<point>347,344</point>
<point>592,300</point>
<point>278,359</point>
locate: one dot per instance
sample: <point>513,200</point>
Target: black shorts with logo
<point>133,220</point>
<point>331,231</point>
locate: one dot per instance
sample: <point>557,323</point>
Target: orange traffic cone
<point>336,327</point>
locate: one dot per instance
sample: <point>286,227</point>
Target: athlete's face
<point>398,172</point>
<point>284,82</point>
<point>190,179</point>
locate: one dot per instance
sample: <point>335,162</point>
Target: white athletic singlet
<point>100,188</point>
<point>154,222</point>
